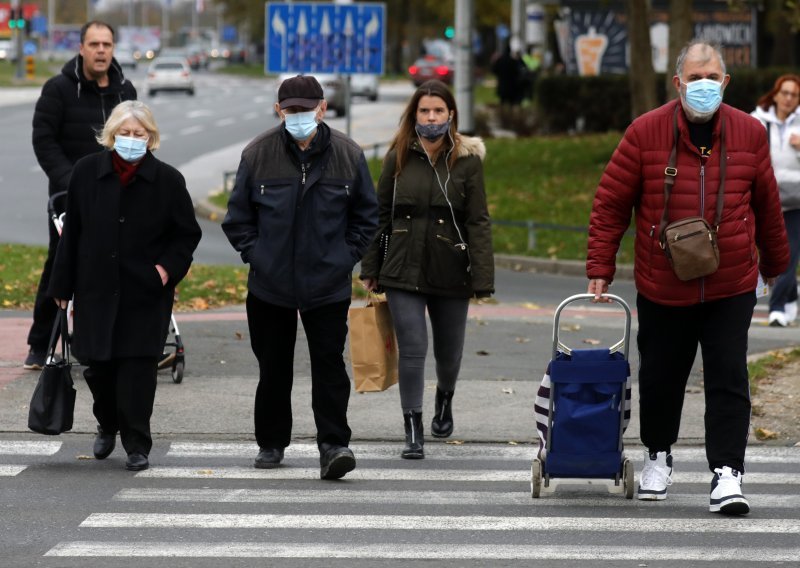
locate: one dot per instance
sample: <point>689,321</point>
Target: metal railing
<point>534,226</point>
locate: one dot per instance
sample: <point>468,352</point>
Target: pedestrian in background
<point>72,108</point>
<point>433,207</point>
<point>511,74</point>
<point>128,239</point>
<point>778,112</point>
<point>302,213</point>
<point>715,310</point>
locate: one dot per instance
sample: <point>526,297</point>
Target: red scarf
<point>125,170</point>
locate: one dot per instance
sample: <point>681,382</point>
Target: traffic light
<point>16,21</point>
<point>449,32</point>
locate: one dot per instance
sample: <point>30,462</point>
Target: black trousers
<point>44,308</point>
<point>124,390</point>
<point>668,338</point>
<point>273,334</point>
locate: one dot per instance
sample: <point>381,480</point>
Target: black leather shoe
<point>269,458</point>
<point>335,461</point>
<point>104,444</point>
<point>136,462</point>
<point>415,437</point>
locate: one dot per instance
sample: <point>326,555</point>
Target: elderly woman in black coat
<point>127,241</point>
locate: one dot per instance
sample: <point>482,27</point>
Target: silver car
<point>364,85</point>
<point>169,74</point>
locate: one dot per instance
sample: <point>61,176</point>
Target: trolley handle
<point>623,343</point>
<point>56,217</point>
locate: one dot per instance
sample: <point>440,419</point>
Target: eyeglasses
<point>789,94</point>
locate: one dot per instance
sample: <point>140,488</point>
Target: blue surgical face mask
<point>130,149</point>
<point>301,125</point>
<point>432,131</point>
<point>704,95</point>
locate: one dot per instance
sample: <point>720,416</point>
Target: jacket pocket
<point>447,261</point>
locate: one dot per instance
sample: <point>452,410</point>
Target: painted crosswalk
<point>473,498</point>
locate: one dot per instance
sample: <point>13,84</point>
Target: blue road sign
<point>325,38</point>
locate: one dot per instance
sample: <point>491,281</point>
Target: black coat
<point>113,237</point>
<point>68,115</point>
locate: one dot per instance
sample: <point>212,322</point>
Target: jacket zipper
<point>303,168</point>
<point>702,211</point>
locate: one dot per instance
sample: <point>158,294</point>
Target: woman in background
<point>432,206</point>
<point>778,112</point>
<point>127,241</point>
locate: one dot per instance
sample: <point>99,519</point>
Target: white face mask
<point>130,149</point>
<point>301,125</point>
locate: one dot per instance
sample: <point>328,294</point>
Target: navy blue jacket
<point>301,220</point>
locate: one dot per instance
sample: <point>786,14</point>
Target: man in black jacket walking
<point>302,213</point>
<point>71,110</point>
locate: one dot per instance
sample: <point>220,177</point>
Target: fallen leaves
<point>764,434</point>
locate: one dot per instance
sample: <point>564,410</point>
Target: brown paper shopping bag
<point>373,346</point>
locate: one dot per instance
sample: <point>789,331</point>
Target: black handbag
<point>53,401</point>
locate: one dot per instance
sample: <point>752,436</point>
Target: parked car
<point>431,67</point>
<point>124,57</point>
<point>169,74</point>
<point>8,51</point>
<point>332,89</point>
<point>364,85</point>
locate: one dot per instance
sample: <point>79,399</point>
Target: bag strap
<point>670,172</point>
<point>60,328</point>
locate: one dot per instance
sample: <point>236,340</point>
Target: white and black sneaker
<point>656,476</point>
<point>726,493</point>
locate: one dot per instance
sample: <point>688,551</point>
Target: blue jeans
<point>785,288</point>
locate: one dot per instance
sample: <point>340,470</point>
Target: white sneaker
<point>777,319</point>
<point>656,476</point>
<point>726,493</point>
<point>790,309</point>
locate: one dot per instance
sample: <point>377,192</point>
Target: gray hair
<point>706,52</point>
<point>122,112</point>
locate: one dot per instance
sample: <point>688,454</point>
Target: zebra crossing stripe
<point>418,551</point>
<point>459,451</point>
<point>451,475</point>
<point>11,470</point>
<point>450,498</point>
<point>440,523</point>
<point>21,448</point>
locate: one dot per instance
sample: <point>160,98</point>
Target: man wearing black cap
<point>301,214</point>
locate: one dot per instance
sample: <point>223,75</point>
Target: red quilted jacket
<point>751,234</point>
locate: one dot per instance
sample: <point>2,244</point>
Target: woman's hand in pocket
<point>163,274</point>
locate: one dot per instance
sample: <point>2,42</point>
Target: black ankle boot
<point>442,423</point>
<point>414,436</point>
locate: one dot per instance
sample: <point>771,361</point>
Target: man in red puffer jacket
<point>714,310</point>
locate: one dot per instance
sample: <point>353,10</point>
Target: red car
<point>431,67</point>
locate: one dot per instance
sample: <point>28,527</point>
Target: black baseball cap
<point>301,91</point>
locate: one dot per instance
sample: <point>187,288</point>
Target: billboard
<point>592,37</point>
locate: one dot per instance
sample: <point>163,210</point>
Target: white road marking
<point>11,470</point>
<point>250,115</point>
<point>453,475</point>
<point>191,130</point>
<point>225,122</point>
<point>418,551</point>
<point>417,497</point>
<point>11,448</point>
<point>198,113</point>
<point>465,451</point>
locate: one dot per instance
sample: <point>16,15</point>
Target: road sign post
<point>315,37</point>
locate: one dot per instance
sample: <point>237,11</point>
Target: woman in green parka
<point>433,250</point>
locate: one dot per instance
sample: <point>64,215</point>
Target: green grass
<point>766,366</point>
<point>20,269</point>
<point>243,69</point>
<point>44,70</point>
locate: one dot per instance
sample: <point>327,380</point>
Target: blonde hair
<point>122,112</point>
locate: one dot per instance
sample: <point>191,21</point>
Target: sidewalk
<point>506,353</point>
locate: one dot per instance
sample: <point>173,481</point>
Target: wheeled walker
<point>582,409</point>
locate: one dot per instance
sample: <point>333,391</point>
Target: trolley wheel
<point>536,478</point>
<point>627,478</point>
<point>177,372</point>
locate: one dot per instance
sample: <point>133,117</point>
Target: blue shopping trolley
<point>582,410</point>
